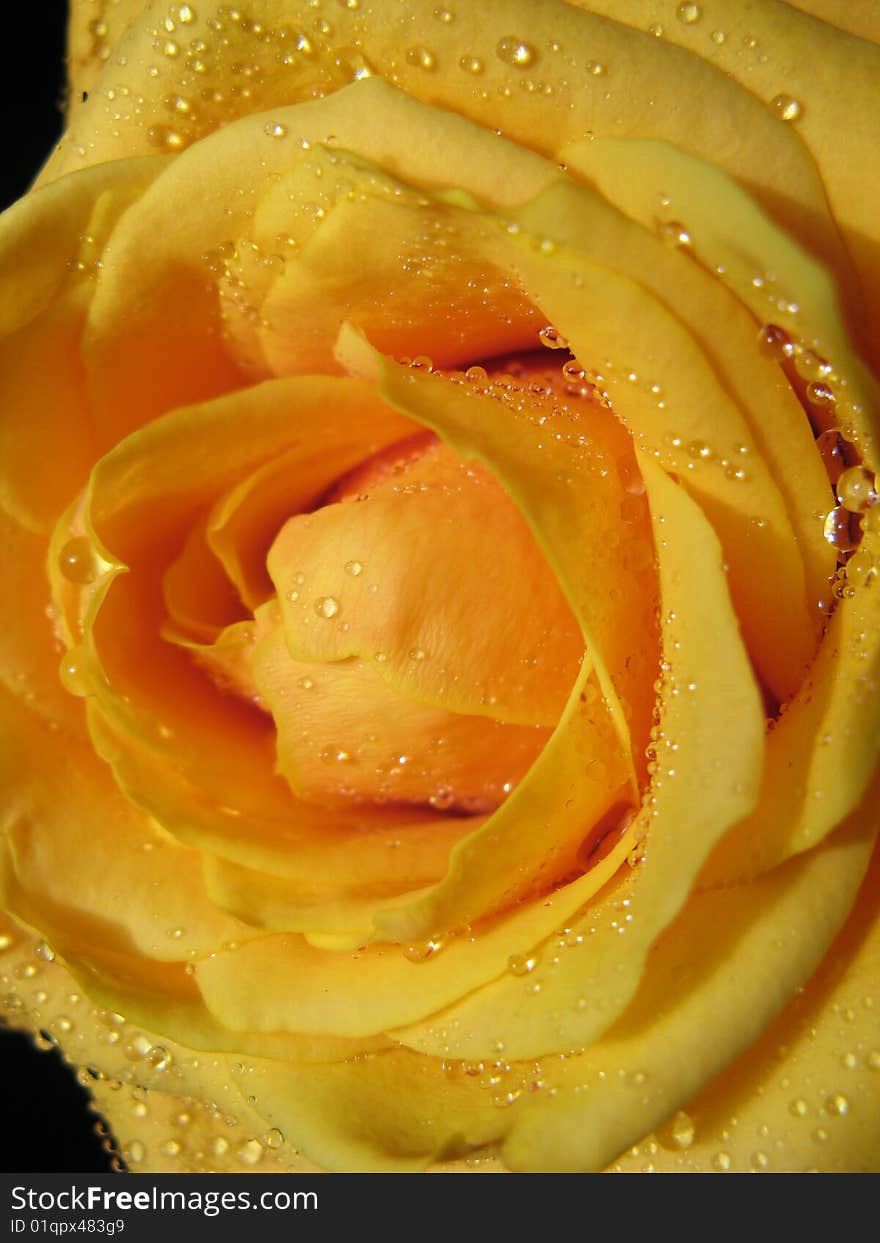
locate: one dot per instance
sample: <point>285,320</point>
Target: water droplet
<point>872,1060</point>
<point>820,394</point>
<point>471,64</point>
<point>656,30</point>
<point>44,950</point>
<point>158,1057</point>
<point>335,755</point>
<point>689,13</point>
<point>722,1162</point>
<point>219,1146</point>
<point>786,107</point>
<point>718,37</point>
<point>514,51</point>
<point>552,338</point>
<point>275,129</point>
<point>477,375</point>
<point>522,964</point>
<point>674,233</point>
<point>354,568</point>
<point>798,1108</point>
<point>444,15</point>
<point>857,489</point>
<point>678,1132</point>
<point>759,1160</point>
<point>831,449</point>
<point>165,138</point>
<point>775,342</point>
<point>417,653</point>
<point>250,1152</point>
<point>186,14</point>
<point>134,1152</point>
<point>421,57</point>
<point>72,672</point>
<point>596,68</point>
<point>327,606</point>
<point>837,1104</point>
<point>810,366</point>
<point>273,1138</point>
<point>422,950</point>
<point>77,561</point>
<point>5,941</point>
<point>838,529</point>
<point>699,449</point>
<point>171,1148</point>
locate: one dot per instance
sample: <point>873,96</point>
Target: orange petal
<point>435,578</point>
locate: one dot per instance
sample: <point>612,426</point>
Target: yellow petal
<point>620,330</point>
<point>345,736</point>
<point>774,276</point>
<point>609,605</point>
<point>774,418</point>
<point>818,80</point>
<point>89,864</point>
<point>722,972</point>
<point>50,243</point>
<point>823,750</point>
<point>387,579</point>
<point>709,752</point>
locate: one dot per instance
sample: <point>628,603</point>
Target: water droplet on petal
<point>552,338</point>
<point>327,606</point>
<point>522,964</point>
<point>857,489</point>
<point>422,950</point>
<point>77,561</point>
<point>514,51</point>
<point>786,107</point>
<point>72,673</point>
<point>471,64</point>
<point>421,57</point>
<point>689,13</point>
<point>838,529</point>
<point>674,233</point>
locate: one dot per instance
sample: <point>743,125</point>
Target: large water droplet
<point>327,606</point>
<point>514,51</point>
<point>857,489</point>
<point>77,561</point>
<point>689,13</point>
<point>786,107</point>
<point>838,529</point>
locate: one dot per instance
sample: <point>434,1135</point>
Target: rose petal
<point>49,244</point>
<point>775,427</point>
<point>709,739</point>
<point>829,83</point>
<point>822,752</point>
<point>616,326</point>
<point>347,735</point>
<point>414,596</point>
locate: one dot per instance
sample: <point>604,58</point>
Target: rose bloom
<point>442,592</point>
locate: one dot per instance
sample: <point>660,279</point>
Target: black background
<point>46,1126</point>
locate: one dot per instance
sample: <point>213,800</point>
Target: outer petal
<point>50,247</point>
<point>830,77</point>
<point>806,1096</point>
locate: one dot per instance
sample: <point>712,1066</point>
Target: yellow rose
<point>465,739</point>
